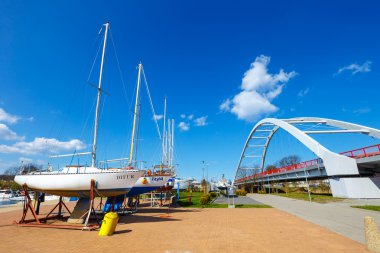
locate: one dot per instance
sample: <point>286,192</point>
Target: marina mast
<point>164,153</point>
<point>135,116</point>
<point>93,162</point>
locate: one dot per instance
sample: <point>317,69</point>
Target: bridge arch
<point>334,163</point>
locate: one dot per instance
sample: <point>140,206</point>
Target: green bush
<point>241,192</point>
<point>213,195</point>
<point>204,199</point>
<point>5,184</point>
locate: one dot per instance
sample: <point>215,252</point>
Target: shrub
<point>261,191</point>
<point>204,199</point>
<point>5,184</point>
<point>241,192</point>
<point>324,187</point>
<point>213,195</point>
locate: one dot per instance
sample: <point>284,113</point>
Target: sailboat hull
<point>107,183</point>
<point>148,184</point>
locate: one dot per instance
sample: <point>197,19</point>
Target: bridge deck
<point>367,158</point>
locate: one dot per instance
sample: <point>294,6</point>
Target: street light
<point>203,169</point>
<point>205,166</point>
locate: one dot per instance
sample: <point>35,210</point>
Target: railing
<point>363,152</point>
<point>355,153</point>
<point>282,169</point>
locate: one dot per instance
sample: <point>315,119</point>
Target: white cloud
<point>42,145</point>
<point>249,105</point>
<point>257,77</point>
<point>226,105</point>
<point>259,88</point>
<point>190,117</point>
<point>6,117</point>
<point>183,116</point>
<point>158,117</point>
<point>355,68</point>
<point>303,93</point>
<point>362,110</point>
<point>201,121</point>
<point>183,126</point>
<point>8,135</point>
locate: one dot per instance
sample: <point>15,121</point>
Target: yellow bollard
<point>109,224</point>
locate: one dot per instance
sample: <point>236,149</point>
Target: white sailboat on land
<point>75,181</point>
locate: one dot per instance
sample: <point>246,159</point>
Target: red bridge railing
<point>355,153</point>
<point>363,152</point>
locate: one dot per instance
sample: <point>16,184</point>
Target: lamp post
<point>203,169</point>
<point>205,166</point>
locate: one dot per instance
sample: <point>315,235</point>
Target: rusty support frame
<point>91,206</point>
<point>28,205</point>
<point>60,204</point>
<point>41,222</point>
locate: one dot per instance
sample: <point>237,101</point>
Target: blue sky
<point>229,64</point>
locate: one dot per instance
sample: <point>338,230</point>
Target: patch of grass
<point>368,207</point>
<point>195,199</point>
<point>195,202</point>
<point>315,197</point>
<point>215,206</point>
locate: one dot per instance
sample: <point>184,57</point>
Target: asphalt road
<point>338,217</point>
<point>238,200</point>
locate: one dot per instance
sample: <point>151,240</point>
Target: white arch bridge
<point>352,174</point>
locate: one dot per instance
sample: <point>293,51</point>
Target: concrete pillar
<point>355,187</point>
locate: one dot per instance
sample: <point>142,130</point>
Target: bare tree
<point>12,171</point>
<point>270,167</point>
<point>289,160</point>
<point>25,168</point>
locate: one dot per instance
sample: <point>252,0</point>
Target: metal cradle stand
<point>42,221</point>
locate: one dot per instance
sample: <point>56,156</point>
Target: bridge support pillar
<point>355,187</point>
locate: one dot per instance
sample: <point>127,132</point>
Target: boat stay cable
<point>94,61</point>
<point>151,103</point>
<point>121,74</point>
<point>89,114</point>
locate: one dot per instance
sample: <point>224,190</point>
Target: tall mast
<point>98,98</point>
<point>172,144</point>
<point>168,143</point>
<point>164,136</point>
<point>135,116</point>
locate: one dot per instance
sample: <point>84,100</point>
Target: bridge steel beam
<point>337,123</point>
<point>338,167</point>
